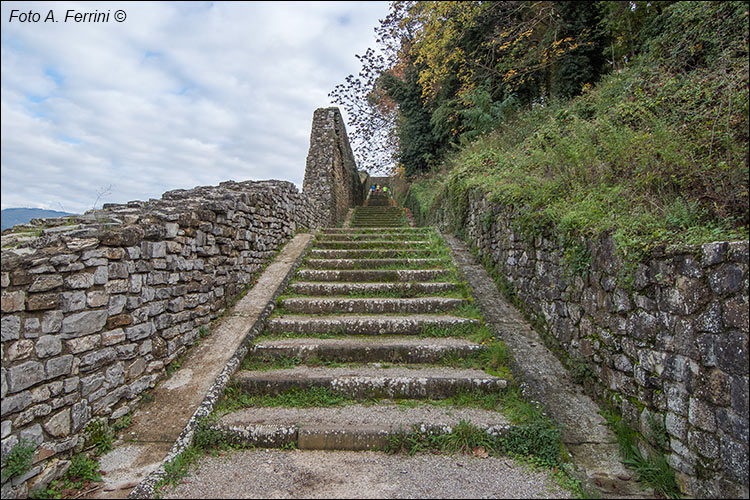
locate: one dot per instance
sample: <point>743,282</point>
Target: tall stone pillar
<point>331,177</point>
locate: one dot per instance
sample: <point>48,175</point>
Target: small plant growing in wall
<point>18,461</point>
<point>658,431</point>
<point>581,371</point>
<point>100,435</point>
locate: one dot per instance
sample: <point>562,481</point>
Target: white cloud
<point>178,95</point>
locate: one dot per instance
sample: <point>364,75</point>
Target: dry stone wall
<point>670,350</point>
<point>331,176</point>
<point>95,307</point>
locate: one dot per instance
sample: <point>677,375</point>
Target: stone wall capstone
<point>670,351</point>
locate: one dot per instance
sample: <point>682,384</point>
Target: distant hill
<point>13,216</point>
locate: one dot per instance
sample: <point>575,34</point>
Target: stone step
<point>376,224</point>
<point>371,382</point>
<point>378,212</point>
<point>324,305</point>
<point>350,427</point>
<point>363,324</point>
<point>324,288</point>
<point>393,244</point>
<point>346,230</point>
<point>361,275</point>
<point>373,253</point>
<point>389,213</point>
<point>369,263</point>
<point>377,217</point>
<point>373,221</point>
<point>367,350</point>
<point>368,236</point>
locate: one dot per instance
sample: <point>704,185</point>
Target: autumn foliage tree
<point>445,72</point>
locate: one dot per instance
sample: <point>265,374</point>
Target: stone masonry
<point>94,307</point>
<point>331,177</point>
<point>670,352</point>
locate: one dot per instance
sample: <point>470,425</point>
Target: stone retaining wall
<point>94,307</point>
<point>670,350</point>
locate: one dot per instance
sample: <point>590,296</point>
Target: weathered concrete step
<point>379,212</point>
<point>395,244</point>
<point>368,236</point>
<point>374,215</point>
<point>374,253</point>
<point>325,288</point>
<point>351,427</point>
<point>388,230</point>
<point>370,382</point>
<point>360,275</point>
<point>378,217</point>
<point>417,305</point>
<point>369,263</point>
<point>377,224</point>
<point>384,216</point>
<point>364,325</point>
<point>367,350</point>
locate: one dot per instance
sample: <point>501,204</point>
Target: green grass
<point>465,438</point>
<point>265,363</point>
<point>82,470</point>
<point>18,460</point>
<point>652,469</point>
<point>99,434</point>
<point>537,442</point>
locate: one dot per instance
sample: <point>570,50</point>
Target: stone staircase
<point>376,317</point>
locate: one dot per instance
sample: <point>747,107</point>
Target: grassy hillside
<point>656,153</point>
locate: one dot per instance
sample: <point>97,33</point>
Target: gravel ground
<point>346,474</point>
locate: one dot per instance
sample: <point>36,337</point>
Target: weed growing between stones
<point>580,370</point>
<point>18,460</point>
<point>235,399</point>
<point>177,468</point>
<point>122,423</point>
<point>174,366</point>
<point>100,435</point>
<point>267,362</point>
<point>652,469</point>
<point>83,470</point>
<point>206,440</point>
<point>537,442</point>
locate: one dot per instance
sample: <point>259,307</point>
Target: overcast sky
<point>177,95</point>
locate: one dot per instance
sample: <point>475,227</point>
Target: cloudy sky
<point>177,95</point>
